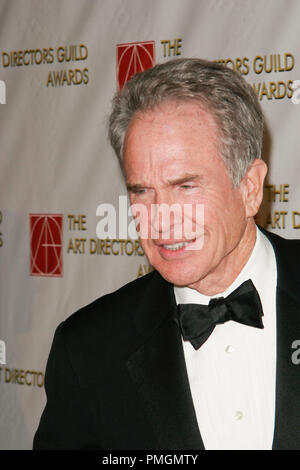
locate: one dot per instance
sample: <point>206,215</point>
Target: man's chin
<point>178,277</point>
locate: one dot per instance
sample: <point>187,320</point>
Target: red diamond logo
<point>46,236</point>
<point>132,58</point>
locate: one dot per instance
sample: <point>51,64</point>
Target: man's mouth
<point>179,247</point>
<point>176,246</point>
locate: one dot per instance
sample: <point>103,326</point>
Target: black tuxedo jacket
<point>116,376</point>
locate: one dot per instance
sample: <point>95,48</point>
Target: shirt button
<point>229,349</point>
<point>239,415</point>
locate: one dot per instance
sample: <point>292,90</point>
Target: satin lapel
<point>159,372</point>
<point>287,414</point>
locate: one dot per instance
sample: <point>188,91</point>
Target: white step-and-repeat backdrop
<point>60,63</point>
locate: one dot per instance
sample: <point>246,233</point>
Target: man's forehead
<point>170,142</point>
<point>170,125</point>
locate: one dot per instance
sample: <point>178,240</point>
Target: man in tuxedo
<point>199,353</point>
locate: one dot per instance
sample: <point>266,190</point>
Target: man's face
<point>171,157</point>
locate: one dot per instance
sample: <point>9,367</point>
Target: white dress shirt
<point>232,375</point>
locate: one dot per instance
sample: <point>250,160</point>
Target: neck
<point>224,274</point>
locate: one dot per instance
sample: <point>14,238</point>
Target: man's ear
<point>252,186</point>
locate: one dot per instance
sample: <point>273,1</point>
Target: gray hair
<point>231,101</point>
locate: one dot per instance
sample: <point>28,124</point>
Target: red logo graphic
<point>132,58</point>
<point>46,235</point>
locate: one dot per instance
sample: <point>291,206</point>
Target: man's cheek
<point>140,214</point>
<point>194,221</point>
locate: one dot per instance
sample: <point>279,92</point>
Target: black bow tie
<point>197,321</point>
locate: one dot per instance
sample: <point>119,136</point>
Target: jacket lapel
<point>287,414</point>
<point>159,372</point>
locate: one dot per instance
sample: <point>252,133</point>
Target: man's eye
<point>187,186</point>
<point>138,191</point>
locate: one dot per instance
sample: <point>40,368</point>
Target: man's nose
<point>165,212</point>
<point>159,221</point>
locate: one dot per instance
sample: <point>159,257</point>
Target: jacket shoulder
<point>287,253</point>
<point>116,307</point>
<point>282,245</point>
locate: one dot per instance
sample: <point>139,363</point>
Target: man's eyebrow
<point>184,179</point>
<point>134,186</point>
